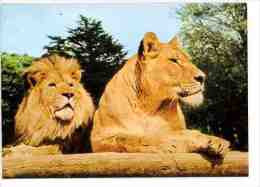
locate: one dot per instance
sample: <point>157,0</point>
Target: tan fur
<point>43,116</point>
<point>140,111</point>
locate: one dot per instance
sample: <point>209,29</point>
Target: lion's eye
<point>174,60</point>
<point>52,85</point>
<point>71,84</point>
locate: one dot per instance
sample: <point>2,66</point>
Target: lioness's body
<point>124,109</point>
<point>139,110</point>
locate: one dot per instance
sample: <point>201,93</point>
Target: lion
<point>56,107</point>
<point>140,109</point>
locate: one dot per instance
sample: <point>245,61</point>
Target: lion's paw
<point>218,147</point>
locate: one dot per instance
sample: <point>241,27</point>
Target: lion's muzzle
<point>64,107</point>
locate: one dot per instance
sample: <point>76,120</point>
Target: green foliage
<point>100,56</point>
<point>13,89</point>
<point>215,36</point>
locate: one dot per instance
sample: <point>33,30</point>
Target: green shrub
<point>13,89</point>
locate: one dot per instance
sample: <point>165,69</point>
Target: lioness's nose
<point>68,95</point>
<point>200,78</point>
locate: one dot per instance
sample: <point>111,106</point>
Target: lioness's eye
<point>174,60</point>
<point>52,85</point>
<point>71,84</point>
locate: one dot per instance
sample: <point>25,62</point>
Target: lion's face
<point>167,70</point>
<point>60,95</point>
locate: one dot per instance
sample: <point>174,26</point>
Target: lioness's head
<point>167,71</point>
<point>56,103</point>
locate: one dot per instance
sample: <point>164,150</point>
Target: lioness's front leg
<point>199,142</point>
<point>185,141</point>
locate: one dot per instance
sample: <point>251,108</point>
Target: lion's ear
<point>33,76</point>
<point>149,46</point>
<point>175,42</point>
<point>76,75</point>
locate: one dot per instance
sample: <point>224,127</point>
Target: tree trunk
<point>124,164</point>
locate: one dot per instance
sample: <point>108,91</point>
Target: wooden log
<point>26,150</point>
<point>124,164</point>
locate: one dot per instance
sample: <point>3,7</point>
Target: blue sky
<point>24,27</point>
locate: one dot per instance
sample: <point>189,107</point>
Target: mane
<point>35,125</point>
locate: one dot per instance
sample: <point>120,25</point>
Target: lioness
<point>140,111</point>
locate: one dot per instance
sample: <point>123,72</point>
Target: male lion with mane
<point>140,111</point>
<point>56,107</point>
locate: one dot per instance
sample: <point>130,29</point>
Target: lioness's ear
<point>34,76</point>
<point>149,46</point>
<point>175,42</point>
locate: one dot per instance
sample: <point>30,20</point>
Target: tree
<point>13,89</point>
<point>100,56</point>
<point>215,36</point>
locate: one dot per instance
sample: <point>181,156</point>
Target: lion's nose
<point>200,78</point>
<point>68,95</point>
